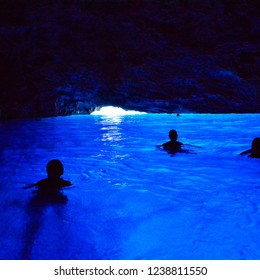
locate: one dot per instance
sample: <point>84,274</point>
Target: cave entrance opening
<point>114,111</point>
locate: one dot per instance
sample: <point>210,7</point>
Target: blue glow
<point>130,200</point>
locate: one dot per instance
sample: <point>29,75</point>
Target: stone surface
<point>68,57</point>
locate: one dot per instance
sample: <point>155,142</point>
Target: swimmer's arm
<point>160,146</point>
<point>66,184</point>
<point>192,145</point>
<point>245,152</point>
<point>30,186</point>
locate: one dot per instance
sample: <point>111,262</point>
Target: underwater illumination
<point>129,199</point>
<point>114,111</point>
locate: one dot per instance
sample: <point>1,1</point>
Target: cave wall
<point>67,57</point>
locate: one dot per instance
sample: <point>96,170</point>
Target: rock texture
<point>68,57</point>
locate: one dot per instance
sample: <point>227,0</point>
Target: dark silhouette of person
<point>254,152</point>
<point>53,182</point>
<point>47,193</point>
<point>172,146</point>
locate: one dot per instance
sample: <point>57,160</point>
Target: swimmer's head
<point>54,168</point>
<point>173,135</point>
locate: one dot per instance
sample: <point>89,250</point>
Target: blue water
<point>130,200</point>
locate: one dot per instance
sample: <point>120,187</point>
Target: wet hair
<point>256,147</point>
<point>173,134</point>
<point>54,168</point>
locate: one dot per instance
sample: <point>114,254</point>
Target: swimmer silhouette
<point>254,152</point>
<point>172,146</point>
<point>54,182</point>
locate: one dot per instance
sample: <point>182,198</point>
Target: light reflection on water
<point>110,128</point>
<point>131,200</point>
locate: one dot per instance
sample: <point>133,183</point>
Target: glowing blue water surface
<point>131,200</point>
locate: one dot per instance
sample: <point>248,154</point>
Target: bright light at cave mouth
<point>114,111</point>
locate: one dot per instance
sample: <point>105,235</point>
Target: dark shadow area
<point>47,193</point>
<point>68,57</point>
<point>35,212</point>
